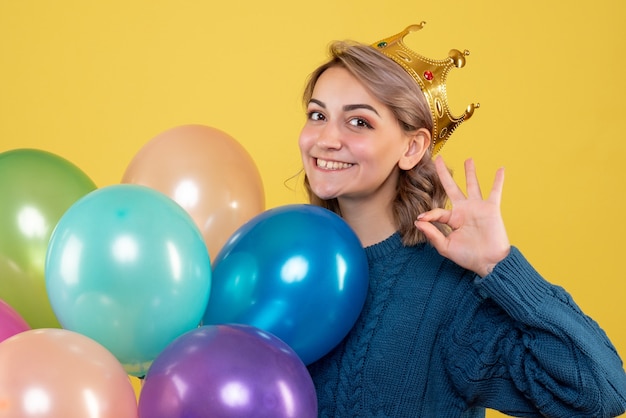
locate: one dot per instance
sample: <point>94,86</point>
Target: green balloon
<point>36,188</point>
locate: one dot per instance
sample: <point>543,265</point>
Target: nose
<point>329,137</point>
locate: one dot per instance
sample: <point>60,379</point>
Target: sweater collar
<point>384,248</point>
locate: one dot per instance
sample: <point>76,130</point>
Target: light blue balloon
<point>298,272</point>
<point>128,267</point>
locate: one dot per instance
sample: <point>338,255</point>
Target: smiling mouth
<point>332,165</point>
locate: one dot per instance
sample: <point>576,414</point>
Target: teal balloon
<point>36,188</point>
<point>298,272</point>
<point>128,267</point>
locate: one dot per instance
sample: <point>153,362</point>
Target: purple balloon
<point>227,371</point>
<point>11,322</point>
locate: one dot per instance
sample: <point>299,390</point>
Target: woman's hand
<point>478,240</point>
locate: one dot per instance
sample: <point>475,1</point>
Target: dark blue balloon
<point>298,272</point>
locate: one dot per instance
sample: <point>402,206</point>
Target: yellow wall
<point>94,81</point>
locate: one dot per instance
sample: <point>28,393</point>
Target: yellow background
<point>94,81</point>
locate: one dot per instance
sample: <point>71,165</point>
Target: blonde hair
<point>419,189</point>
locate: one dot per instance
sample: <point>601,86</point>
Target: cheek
<point>363,151</point>
<point>303,144</point>
<point>306,140</point>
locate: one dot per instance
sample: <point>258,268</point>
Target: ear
<point>417,145</point>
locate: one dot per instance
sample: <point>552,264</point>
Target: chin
<point>323,194</point>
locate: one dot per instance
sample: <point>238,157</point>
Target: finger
<point>433,235</point>
<point>495,195</point>
<point>452,189</point>
<point>435,215</point>
<point>471,180</point>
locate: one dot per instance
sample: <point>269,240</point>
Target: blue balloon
<point>298,272</point>
<point>128,267</point>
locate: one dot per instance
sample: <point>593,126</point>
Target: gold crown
<point>430,75</point>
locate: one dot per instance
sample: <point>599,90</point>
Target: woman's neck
<point>371,221</point>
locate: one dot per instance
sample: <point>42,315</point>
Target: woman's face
<point>351,143</point>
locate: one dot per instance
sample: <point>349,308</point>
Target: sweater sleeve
<point>522,346</point>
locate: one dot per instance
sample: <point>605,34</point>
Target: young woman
<point>456,320</point>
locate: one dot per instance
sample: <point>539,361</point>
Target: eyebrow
<point>346,108</point>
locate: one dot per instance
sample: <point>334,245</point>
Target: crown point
<point>457,57</point>
<point>470,110</point>
<point>415,28</point>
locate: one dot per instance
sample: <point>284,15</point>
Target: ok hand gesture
<point>478,239</point>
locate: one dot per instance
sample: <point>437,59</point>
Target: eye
<point>360,123</point>
<point>315,115</point>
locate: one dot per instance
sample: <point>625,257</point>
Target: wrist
<point>488,267</point>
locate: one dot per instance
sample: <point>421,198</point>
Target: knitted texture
<point>434,340</point>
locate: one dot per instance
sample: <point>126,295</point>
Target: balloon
<point>51,373</point>
<point>128,267</point>
<point>11,322</point>
<point>36,188</point>
<point>208,173</point>
<point>296,271</point>
<point>228,371</point>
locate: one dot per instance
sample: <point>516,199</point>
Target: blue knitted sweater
<point>435,340</point>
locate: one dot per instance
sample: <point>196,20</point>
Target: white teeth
<point>332,165</point>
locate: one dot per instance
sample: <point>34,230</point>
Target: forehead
<point>338,84</point>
